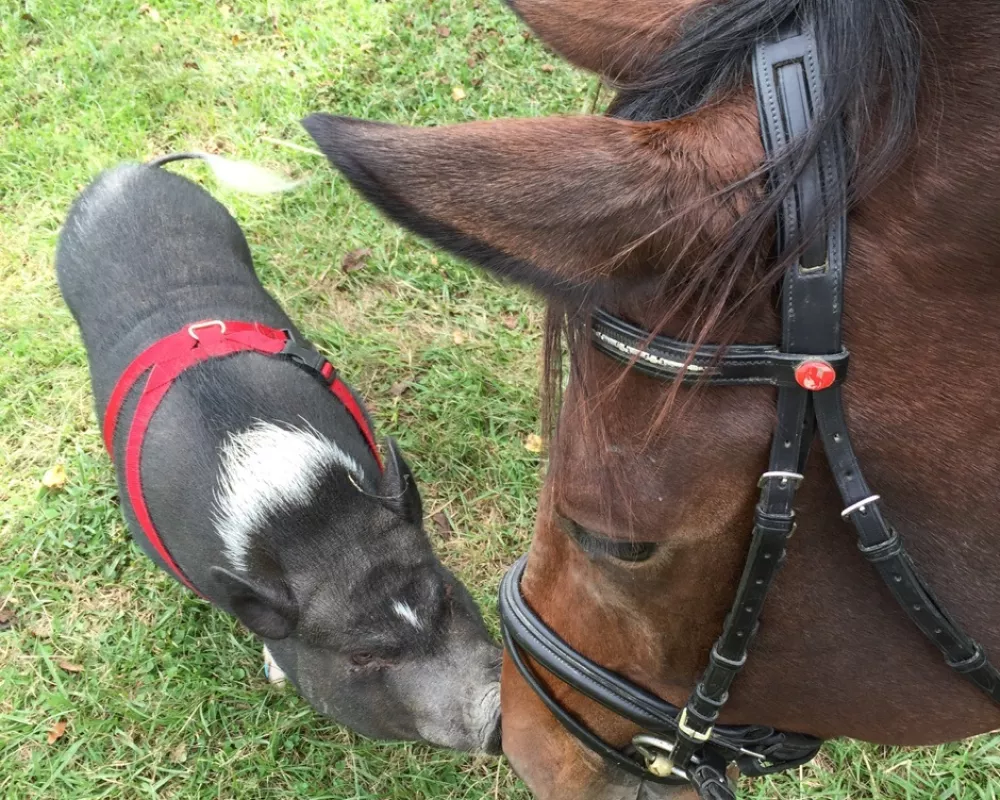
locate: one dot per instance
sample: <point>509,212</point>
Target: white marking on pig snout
<point>266,469</point>
<point>405,611</point>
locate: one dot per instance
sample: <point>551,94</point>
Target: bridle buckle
<point>658,756</point>
<point>692,733</point>
<point>784,476</point>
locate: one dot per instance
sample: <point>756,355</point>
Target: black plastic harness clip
<point>308,358</point>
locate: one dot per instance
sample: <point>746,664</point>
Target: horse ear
<point>617,40</point>
<point>266,607</point>
<point>397,488</point>
<point>565,205</point>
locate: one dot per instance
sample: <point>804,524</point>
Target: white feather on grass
<point>243,176</point>
<point>240,176</point>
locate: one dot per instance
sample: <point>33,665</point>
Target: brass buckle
<point>691,733</point>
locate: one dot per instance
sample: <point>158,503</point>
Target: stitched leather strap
<point>757,749</point>
<point>666,358</point>
<point>789,97</point>
<point>883,547</point>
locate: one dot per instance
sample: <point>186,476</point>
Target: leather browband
<point>666,358</point>
<point>686,745</point>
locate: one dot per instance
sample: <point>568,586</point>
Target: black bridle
<point>808,368</point>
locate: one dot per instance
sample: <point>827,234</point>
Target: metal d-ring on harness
<point>686,745</point>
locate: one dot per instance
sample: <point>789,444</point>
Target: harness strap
<point>666,358</point>
<point>165,360</point>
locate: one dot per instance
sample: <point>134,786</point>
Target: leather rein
<point>685,745</point>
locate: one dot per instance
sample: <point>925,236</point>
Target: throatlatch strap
<point>165,360</point>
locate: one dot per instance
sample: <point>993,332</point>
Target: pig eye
<point>362,659</point>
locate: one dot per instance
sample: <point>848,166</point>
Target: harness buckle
<point>785,478</point>
<point>861,505</point>
<point>692,733</point>
<point>209,323</point>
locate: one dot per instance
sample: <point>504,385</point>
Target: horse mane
<point>870,53</point>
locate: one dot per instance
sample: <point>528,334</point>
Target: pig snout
<point>466,714</point>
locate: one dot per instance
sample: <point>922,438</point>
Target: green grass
<point>171,701</point>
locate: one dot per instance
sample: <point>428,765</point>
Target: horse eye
<point>598,546</point>
<point>362,659</point>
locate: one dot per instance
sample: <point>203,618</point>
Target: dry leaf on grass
<point>548,68</point>
<point>8,619</point>
<point>443,31</point>
<point>179,754</point>
<point>55,477</point>
<point>147,10</point>
<point>458,94</point>
<point>356,259</point>
<point>443,525</point>
<point>399,388</point>
<point>57,732</point>
<point>69,666</point>
<point>533,443</point>
<point>510,321</point>
<point>458,337</point>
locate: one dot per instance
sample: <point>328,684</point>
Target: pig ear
<point>266,607</point>
<point>398,490</point>
<point>574,207</point>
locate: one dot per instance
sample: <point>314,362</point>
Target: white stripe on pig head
<point>266,469</point>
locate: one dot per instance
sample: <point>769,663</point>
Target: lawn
<point>114,682</point>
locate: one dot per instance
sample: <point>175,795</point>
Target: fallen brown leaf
<point>399,388</point>
<point>533,443</point>
<point>57,732</point>
<point>471,61</point>
<point>548,68</point>
<point>458,337</point>
<point>69,666</point>
<point>236,38</point>
<point>356,259</point>
<point>458,94</point>
<point>443,31</point>
<point>42,628</point>
<point>8,619</point>
<point>443,525</point>
<point>179,754</point>
<point>510,321</point>
<point>27,17</point>
<point>191,65</point>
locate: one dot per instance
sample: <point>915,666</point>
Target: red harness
<point>166,359</point>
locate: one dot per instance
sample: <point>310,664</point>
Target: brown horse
<point>658,212</point>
